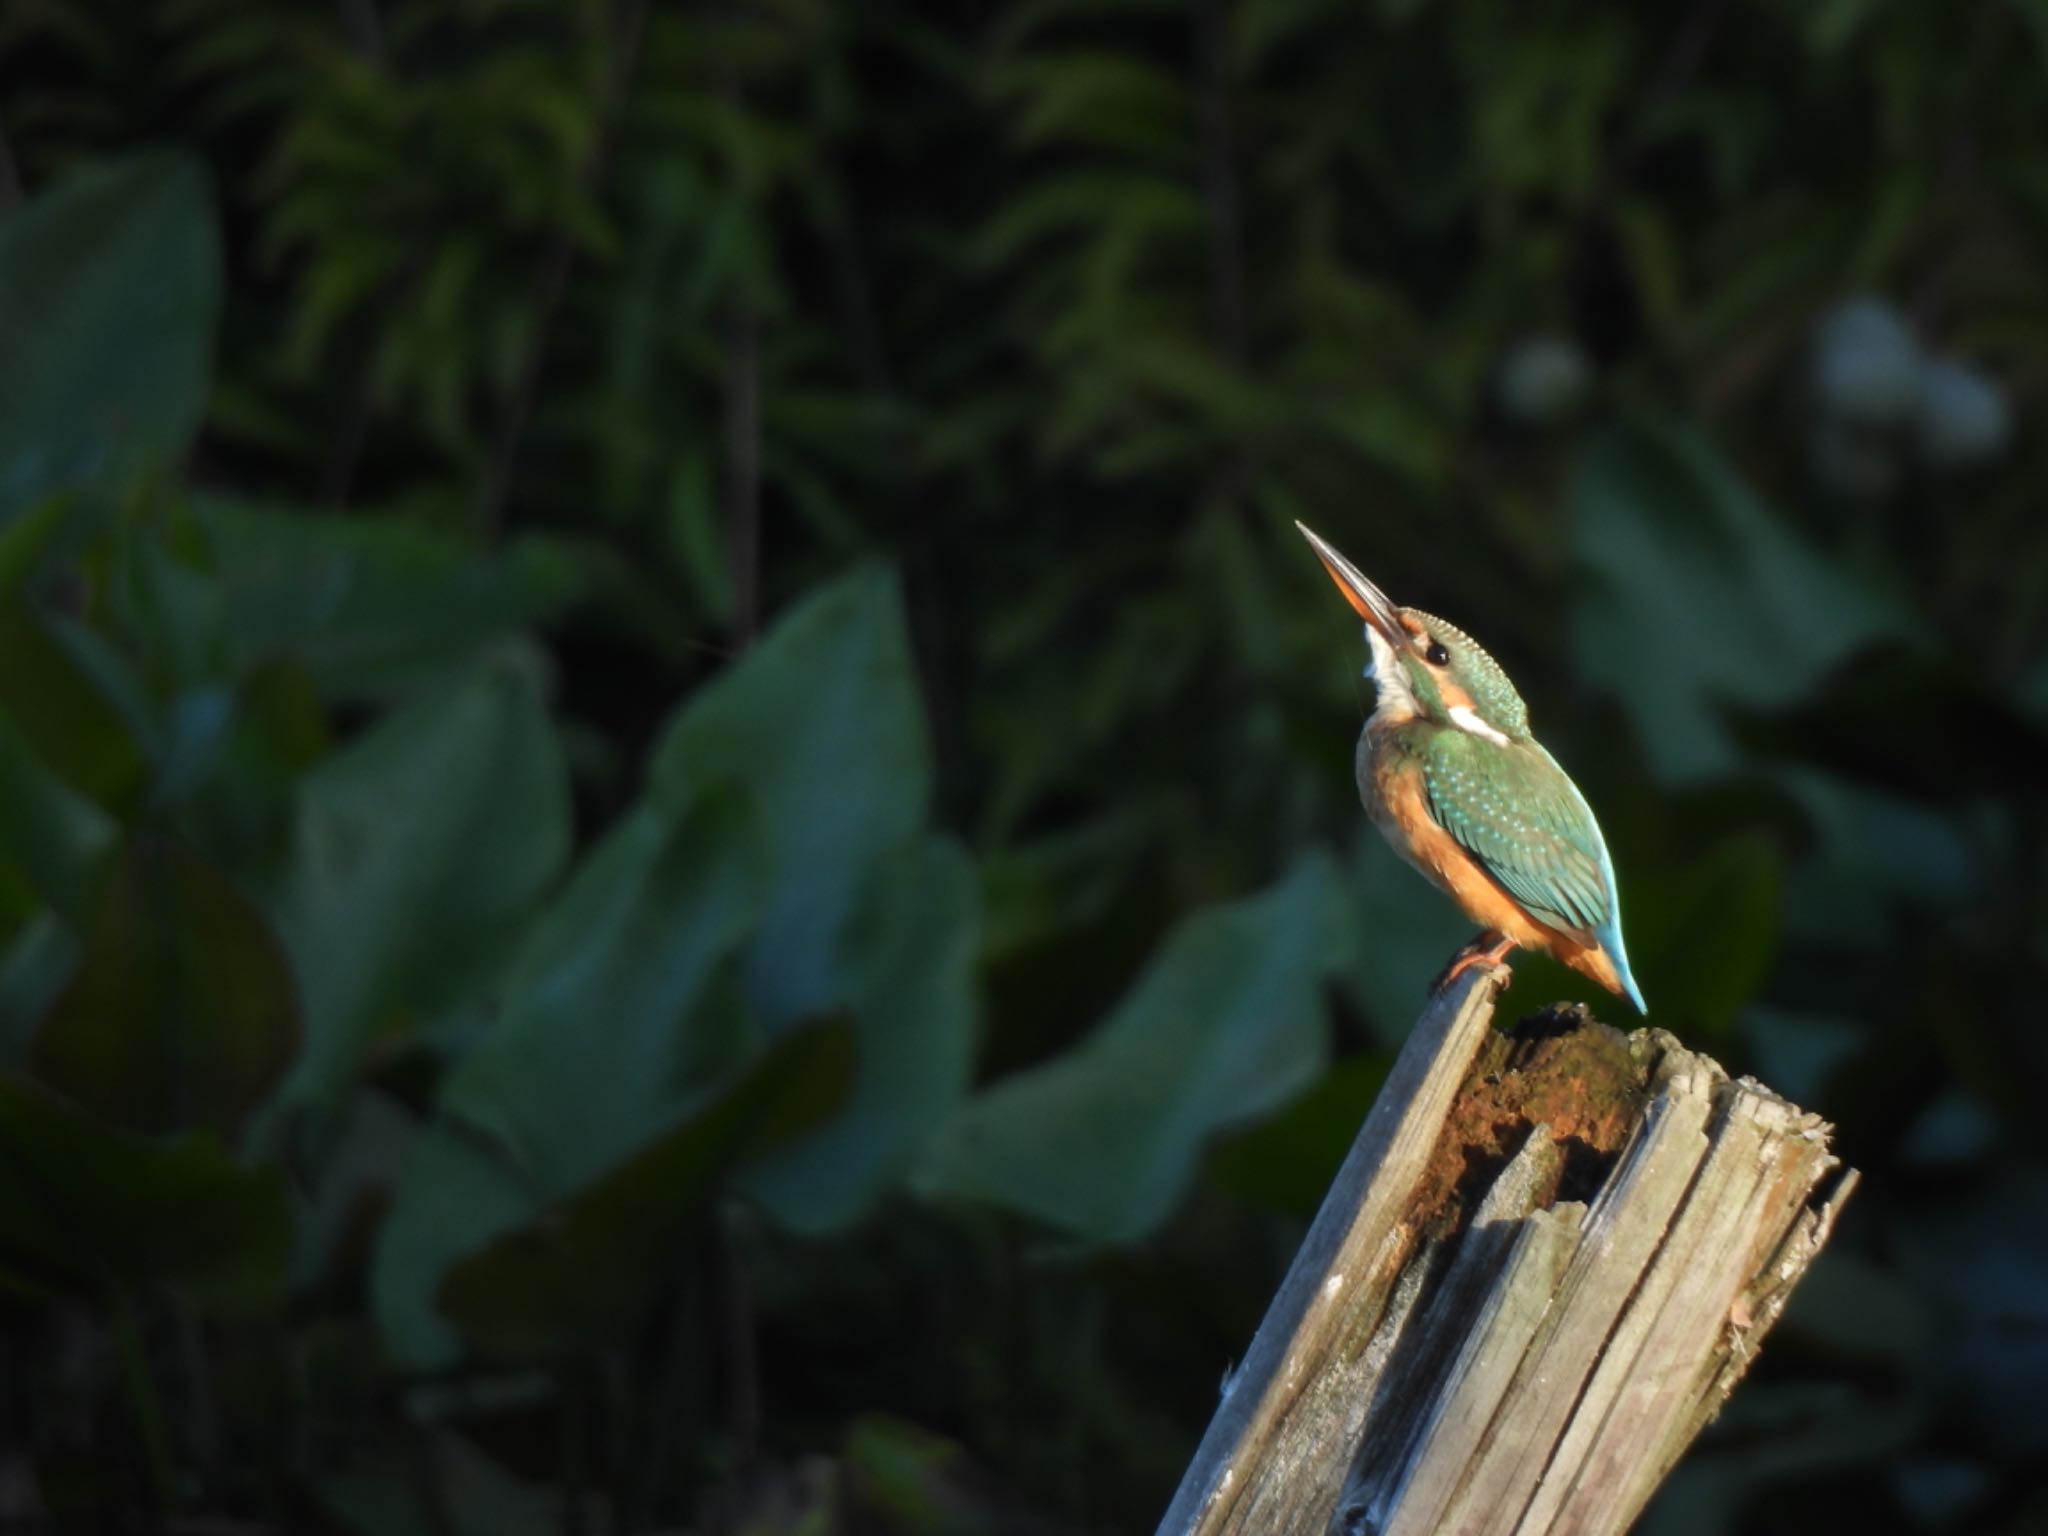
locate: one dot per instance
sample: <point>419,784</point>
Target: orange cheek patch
<point>1454,697</point>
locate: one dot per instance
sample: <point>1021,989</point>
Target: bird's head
<point>1425,666</point>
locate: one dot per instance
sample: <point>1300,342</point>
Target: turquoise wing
<point>1513,809</point>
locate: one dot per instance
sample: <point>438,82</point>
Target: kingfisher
<point>1454,780</point>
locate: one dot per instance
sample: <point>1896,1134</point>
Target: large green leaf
<point>183,1011</point>
<point>607,1028</point>
<point>82,1201</point>
<point>614,1024</point>
<point>1224,1026</point>
<point>910,984</point>
<point>865,912</point>
<point>582,1270</point>
<point>822,721</point>
<point>1705,597</point>
<point>109,299</point>
<point>419,847</point>
<point>372,605</point>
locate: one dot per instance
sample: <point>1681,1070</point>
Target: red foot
<point>1489,948</point>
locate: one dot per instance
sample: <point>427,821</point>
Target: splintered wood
<point>1544,1265</point>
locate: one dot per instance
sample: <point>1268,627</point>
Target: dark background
<point>677,848</point>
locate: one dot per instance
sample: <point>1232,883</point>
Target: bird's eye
<point>1436,655</point>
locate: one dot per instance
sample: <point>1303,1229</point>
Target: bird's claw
<point>1487,949</point>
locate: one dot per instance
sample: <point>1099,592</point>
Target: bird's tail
<point>1617,958</point>
<point>1607,963</point>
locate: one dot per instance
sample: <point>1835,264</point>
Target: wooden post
<point>1544,1265</point>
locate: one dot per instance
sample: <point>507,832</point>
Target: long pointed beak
<point>1372,604</point>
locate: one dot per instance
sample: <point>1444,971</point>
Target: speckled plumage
<point>1480,675</point>
<point>1518,814</point>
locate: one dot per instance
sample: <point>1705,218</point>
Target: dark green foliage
<point>579,1273</point>
<point>676,837</point>
<point>183,1011</point>
<point>94,1210</point>
<point>109,300</point>
<point>1222,1027</point>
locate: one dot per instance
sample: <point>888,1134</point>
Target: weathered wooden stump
<point>1544,1265</point>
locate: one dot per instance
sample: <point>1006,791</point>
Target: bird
<point>1455,781</point>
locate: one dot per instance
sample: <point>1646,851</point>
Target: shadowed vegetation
<point>677,847</point>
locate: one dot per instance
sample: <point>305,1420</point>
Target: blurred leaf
<point>105,1205</point>
<point>1224,1026</point>
<point>1287,1163</point>
<point>612,1028</point>
<point>34,967</point>
<point>605,1029</point>
<point>1982,1253</point>
<point>166,611</point>
<point>373,606</point>
<point>822,721</point>
<point>418,848</point>
<point>198,727</point>
<point>454,1194</point>
<point>1902,722</point>
<point>1831,24</point>
<point>1987,1251</point>
<point>53,841</point>
<point>581,1270</point>
<point>1874,854</point>
<point>1705,596</point>
<point>1954,1131</point>
<point>695,538</point>
<point>109,293</point>
<point>1941,1491</point>
<point>43,536</point>
<point>910,959</point>
<point>907,1479</point>
<point>1702,938</point>
<point>1804,1432</point>
<point>1033,890</point>
<point>74,704</point>
<point>353,1188</point>
<point>183,1012</point>
<point>1797,1053</point>
<point>1396,934</point>
<point>1848,1306</point>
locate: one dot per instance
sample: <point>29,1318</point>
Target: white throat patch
<point>1397,699</point>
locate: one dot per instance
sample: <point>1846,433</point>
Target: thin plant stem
<point>550,284</point>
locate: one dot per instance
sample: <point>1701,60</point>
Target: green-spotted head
<point>1425,665</point>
